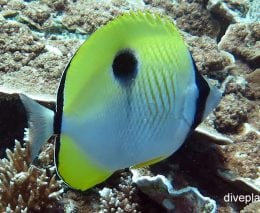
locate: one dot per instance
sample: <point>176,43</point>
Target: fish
<point>129,97</point>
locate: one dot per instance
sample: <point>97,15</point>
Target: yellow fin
<point>149,162</point>
<point>76,168</point>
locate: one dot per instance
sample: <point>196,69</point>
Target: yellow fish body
<point>130,96</point>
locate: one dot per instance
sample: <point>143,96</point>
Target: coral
<point>3,2</point>
<point>213,61</point>
<point>194,19</point>
<point>86,16</point>
<point>37,39</point>
<point>15,5</point>
<point>253,13</point>
<point>241,158</point>
<point>160,189</point>
<point>35,14</point>
<point>38,13</point>
<point>253,80</point>
<point>243,41</point>
<point>190,16</point>
<point>242,80</point>
<point>58,5</point>
<point>230,10</point>
<point>231,113</point>
<point>238,162</point>
<point>46,156</point>
<point>75,201</point>
<point>226,209</point>
<point>24,187</point>
<point>120,199</point>
<point>253,207</point>
<point>118,194</point>
<point>17,46</point>
<point>206,132</point>
<point>27,60</point>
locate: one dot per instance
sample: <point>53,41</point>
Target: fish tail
<point>40,122</point>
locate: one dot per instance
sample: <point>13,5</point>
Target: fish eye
<point>125,66</point>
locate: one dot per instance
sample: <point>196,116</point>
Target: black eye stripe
<point>125,66</point>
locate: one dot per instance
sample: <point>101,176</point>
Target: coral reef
<point>159,188</point>
<point>213,61</point>
<point>24,187</point>
<point>242,40</point>
<point>253,80</point>
<point>37,39</point>
<point>120,199</point>
<point>230,10</point>
<point>93,16</point>
<point>240,159</point>
<point>190,16</point>
<point>29,60</point>
<point>228,116</point>
<point>73,201</point>
<point>18,46</point>
<point>253,207</point>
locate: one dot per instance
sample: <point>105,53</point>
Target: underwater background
<point>216,170</point>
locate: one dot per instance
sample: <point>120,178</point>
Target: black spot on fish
<point>125,66</point>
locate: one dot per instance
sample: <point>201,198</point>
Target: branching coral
<point>23,186</point>
<point>120,199</point>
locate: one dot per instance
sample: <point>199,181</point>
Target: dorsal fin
<point>126,31</point>
<point>142,22</point>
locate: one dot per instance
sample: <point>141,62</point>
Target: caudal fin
<point>40,122</point>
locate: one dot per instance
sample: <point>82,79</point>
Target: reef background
<point>37,39</point>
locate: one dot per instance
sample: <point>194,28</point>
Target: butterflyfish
<point>129,97</point>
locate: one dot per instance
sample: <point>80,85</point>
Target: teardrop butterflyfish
<point>129,96</point>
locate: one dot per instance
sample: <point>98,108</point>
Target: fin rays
<point>40,122</point>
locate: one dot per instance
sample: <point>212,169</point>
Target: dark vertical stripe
<point>144,91</point>
<point>60,99</point>
<point>59,103</point>
<point>167,93</point>
<point>59,112</point>
<point>204,90</point>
